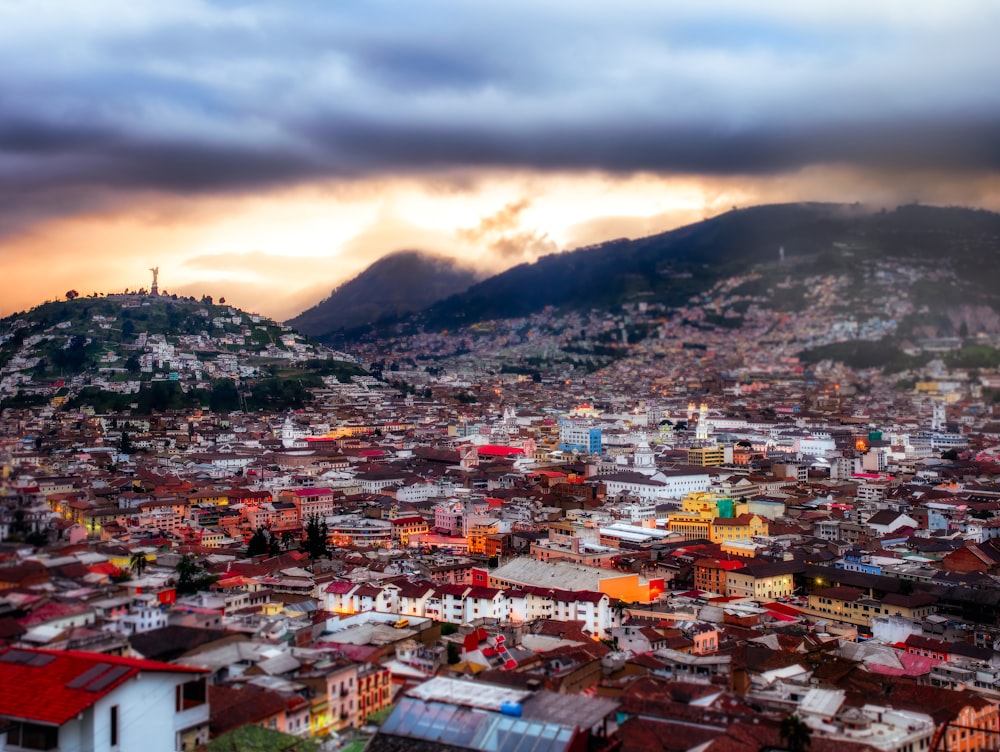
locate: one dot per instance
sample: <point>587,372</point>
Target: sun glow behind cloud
<point>280,252</point>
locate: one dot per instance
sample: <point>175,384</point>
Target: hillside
<point>395,285</point>
<point>672,267</point>
<point>154,353</point>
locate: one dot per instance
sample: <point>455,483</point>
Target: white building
<point>78,701</point>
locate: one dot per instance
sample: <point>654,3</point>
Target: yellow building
<point>701,502</point>
<point>852,606</point>
<point>762,582</point>
<point>212,498</point>
<point>692,527</point>
<point>744,527</point>
<point>698,511</point>
<point>707,456</point>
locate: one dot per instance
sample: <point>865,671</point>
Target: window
<point>33,736</point>
<point>191,694</point>
<point>114,725</point>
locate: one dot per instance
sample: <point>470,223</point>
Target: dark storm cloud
<point>666,146</point>
<point>197,97</point>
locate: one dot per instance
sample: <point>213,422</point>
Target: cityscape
<point>498,382</point>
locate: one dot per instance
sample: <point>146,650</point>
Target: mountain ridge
<point>391,287</point>
<point>672,267</point>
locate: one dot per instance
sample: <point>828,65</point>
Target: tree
<point>795,733</point>
<point>125,445</point>
<point>191,577</point>
<point>138,563</point>
<point>187,569</point>
<point>224,397</point>
<point>316,538</point>
<point>72,295</point>
<point>274,546</point>
<point>258,543</point>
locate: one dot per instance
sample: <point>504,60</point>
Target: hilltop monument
<point>154,290</point>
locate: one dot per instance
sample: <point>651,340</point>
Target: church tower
<point>702,432</point>
<point>939,421</point>
<point>644,460</point>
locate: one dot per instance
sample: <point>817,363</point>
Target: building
<point>310,502</point>
<point>452,714</point>
<point>742,527</point>
<point>762,582</point>
<point>852,606</point>
<point>374,690</point>
<point>71,700</point>
<point>706,456</point>
<point>355,530</point>
<point>574,437</point>
<point>524,572</point>
<point>403,528</point>
<point>710,574</point>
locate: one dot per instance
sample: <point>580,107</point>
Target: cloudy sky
<point>267,151</point>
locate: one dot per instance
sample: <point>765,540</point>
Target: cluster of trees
<point>21,530</point>
<point>315,541</point>
<point>222,396</point>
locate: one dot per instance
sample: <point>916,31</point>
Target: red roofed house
<point>710,574</point>
<point>404,527</point>
<point>413,597</point>
<point>339,598</point>
<point>309,502</point>
<point>485,603</point>
<point>63,699</point>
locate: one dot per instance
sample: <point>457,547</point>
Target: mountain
<point>784,240</point>
<point>395,285</point>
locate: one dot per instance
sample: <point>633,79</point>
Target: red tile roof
<point>54,686</point>
<point>341,588</point>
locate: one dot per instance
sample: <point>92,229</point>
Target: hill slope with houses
<point>149,352</point>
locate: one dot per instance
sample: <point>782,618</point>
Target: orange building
<point>374,690</point>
